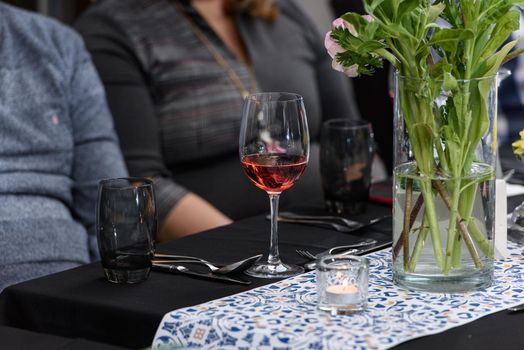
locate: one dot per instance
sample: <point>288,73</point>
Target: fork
<point>308,255</point>
<point>294,216</point>
<point>335,226</point>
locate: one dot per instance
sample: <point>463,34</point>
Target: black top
<point>177,111</point>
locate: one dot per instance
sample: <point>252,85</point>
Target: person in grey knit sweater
<point>56,142</point>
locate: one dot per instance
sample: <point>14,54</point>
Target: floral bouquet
<point>446,54</point>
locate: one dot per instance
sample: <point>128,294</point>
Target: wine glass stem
<point>274,257</point>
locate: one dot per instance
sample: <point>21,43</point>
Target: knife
<point>341,227</point>
<point>313,264</point>
<point>184,270</point>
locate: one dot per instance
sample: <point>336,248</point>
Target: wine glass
<point>274,151</point>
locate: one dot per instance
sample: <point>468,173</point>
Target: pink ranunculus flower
<point>332,46</point>
<point>342,23</point>
<point>351,71</point>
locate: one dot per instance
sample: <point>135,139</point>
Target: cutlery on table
<point>176,257</point>
<point>313,265</point>
<point>290,215</point>
<point>181,257</point>
<point>228,269</point>
<point>333,225</point>
<point>516,308</point>
<point>184,270</point>
<point>308,255</point>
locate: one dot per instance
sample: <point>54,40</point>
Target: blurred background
<point>68,10</point>
<point>64,10</point>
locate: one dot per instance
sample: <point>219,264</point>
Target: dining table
<point>81,303</point>
<point>15,338</point>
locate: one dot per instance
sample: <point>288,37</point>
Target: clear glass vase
<point>445,148</point>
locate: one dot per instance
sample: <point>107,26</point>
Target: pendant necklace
<point>219,58</point>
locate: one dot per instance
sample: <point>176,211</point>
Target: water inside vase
<point>466,255</point>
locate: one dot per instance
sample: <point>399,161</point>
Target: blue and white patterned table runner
<point>283,315</point>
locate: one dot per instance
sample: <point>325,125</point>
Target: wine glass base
<point>279,270</point>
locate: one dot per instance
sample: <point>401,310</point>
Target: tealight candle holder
<point>342,283</point>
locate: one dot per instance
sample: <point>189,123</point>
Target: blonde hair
<point>264,9</point>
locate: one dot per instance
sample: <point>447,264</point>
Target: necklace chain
<point>219,58</point>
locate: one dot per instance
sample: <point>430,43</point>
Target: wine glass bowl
<point>273,173</point>
<point>274,151</point>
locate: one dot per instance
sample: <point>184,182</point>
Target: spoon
<point>228,269</point>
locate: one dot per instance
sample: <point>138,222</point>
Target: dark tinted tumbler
<point>346,155</point>
<point>126,226</point>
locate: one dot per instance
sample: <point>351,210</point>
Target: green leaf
<point>506,25</point>
<point>468,10</point>
<point>390,8</point>
<point>356,20</point>
<point>370,46</point>
<point>450,83</point>
<point>481,42</point>
<point>491,65</point>
<point>479,118</point>
<point>407,6</point>
<point>371,5</point>
<point>371,29</point>
<point>494,12</point>
<point>451,14</point>
<point>439,69</point>
<point>449,39</point>
<point>518,3</point>
<point>397,31</point>
<point>435,11</point>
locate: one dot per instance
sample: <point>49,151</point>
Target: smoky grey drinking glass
<point>346,156</point>
<point>126,222</point>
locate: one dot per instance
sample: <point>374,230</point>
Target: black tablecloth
<point>81,303</point>
<point>19,339</point>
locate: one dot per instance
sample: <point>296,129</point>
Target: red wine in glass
<point>273,172</point>
<point>274,151</point>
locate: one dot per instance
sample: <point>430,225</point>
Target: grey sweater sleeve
<point>96,152</point>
